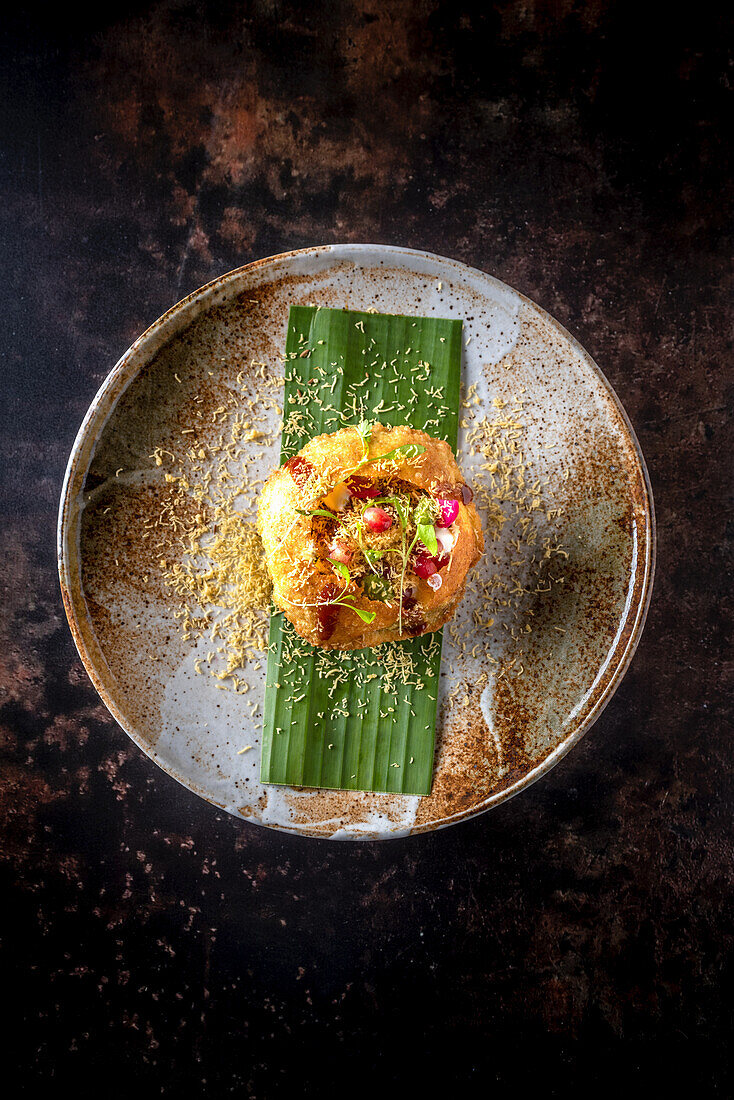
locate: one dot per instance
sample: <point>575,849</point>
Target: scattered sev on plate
<point>363,720</point>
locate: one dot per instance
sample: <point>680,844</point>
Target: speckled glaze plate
<point>556,607</point>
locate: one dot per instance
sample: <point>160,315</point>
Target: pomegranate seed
<point>377,520</point>
<point>339,552</point>
<point>424,565</point>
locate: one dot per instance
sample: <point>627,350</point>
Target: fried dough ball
<point>369,534</point>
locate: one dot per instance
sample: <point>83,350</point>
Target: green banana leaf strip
<point>365,720</point>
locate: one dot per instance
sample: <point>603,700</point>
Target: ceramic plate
<point>556,607</point>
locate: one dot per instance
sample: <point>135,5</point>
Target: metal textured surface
<point>578,937</point>
<point>517,688</point>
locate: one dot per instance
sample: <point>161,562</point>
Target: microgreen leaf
<point>365,616</point>
<point>427,535</point>
<point>408,450</point>
<point>342,570</point>
<point>372,556</point>
<point>344,600</point>
<point>426,511</point>
<point>318,512</point>
<point>365,431</point>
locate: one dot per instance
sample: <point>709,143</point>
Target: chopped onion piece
<point>449,511</point>
<point>434,582</point>
<point>338,551</point>
<point>377,520</point>
<point>446,539</point>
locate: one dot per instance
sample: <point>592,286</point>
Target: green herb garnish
<point>377,588</point>
<point>364,429</point>
<point>425,515</point>
<point>344,599</point>
<point>408,450</point>
<point>319,512</point>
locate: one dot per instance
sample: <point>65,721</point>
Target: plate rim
<point>80,625</point>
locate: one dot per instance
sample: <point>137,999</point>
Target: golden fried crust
<point>334,455</point>
<point>300,575</point>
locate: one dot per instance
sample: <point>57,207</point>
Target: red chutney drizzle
<point>414,625</point>
<point>455,492</point>
<point>300,469</point>
<point>326,611</point>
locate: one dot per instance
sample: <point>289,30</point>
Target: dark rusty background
<point>576,936</point>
